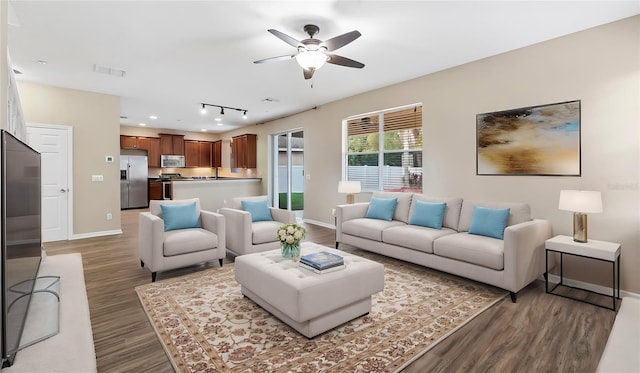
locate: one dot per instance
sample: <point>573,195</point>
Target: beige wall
<point>600,66</point>
<point>95,120</point>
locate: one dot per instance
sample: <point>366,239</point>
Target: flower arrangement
<point>290,236</point>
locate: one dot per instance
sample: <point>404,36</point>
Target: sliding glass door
<point>288,171</point>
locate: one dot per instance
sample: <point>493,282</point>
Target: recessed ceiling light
<point>143,124</point>
<point>220,123</point>
<point>153,117</point>
<point>204,130</point>
<point>218,119</point>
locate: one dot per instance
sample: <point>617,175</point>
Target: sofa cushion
<point>236,202</point>
<point>428,214</point>
<point>184,241</point>
<point>414,237</point>
<point>402,208</point>
<point>368,228</point>
<point>155,209</point>
<point>489,222</point>
<point>483,251</point>
<point>259,210</point>
<point>264,231</point>
<point>518,212</point>
<point>451,211</point>
<point>180,216</point>
<point>381,208</point>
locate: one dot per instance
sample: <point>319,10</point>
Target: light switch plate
<point>109,159</point>
<point>97,178</point>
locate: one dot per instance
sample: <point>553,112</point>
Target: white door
<point>53,142</point>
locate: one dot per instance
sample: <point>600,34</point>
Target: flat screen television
<point>21,237</point>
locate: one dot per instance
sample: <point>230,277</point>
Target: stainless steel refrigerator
<point>133,181</point>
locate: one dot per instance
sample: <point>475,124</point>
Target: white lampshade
<point>583,201</point>
<point>349,187</point>
<point>311,59</point>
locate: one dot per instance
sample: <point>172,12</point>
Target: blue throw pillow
<point>382,208</point>
<point>259,209</point>
<point>180,216</point>
<point>489,222</point>
<point>428,214</point>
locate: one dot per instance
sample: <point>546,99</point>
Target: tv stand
<point>43,317</point>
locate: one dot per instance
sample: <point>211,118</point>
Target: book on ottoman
<point>322,260</point>
<point>318,271</point>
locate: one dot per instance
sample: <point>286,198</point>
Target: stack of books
<point>322,262</point>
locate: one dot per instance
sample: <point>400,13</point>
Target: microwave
<point>172,161</point>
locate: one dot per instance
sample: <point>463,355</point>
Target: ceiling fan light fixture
<point>311,59</point>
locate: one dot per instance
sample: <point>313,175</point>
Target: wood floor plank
<point>539,333</point>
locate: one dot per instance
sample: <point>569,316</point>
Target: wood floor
<point>539,333</point>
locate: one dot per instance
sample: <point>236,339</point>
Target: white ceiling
<point>178,54</point>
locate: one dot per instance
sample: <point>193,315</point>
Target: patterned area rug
<point>206,325</point>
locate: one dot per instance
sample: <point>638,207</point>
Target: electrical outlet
<point>109,216</point>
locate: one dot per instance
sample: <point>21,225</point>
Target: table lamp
<point>349,188</point>
<point>580,202</point>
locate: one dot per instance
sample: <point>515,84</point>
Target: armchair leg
<point>153,276</point>
<point>141,264</point>
<point>513,296</point>
<point>221,262</point>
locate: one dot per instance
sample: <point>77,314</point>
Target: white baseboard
<point>95,234</point>
<point>604,290</point>
<point>316,222</point>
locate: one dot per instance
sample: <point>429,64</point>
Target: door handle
<point>62,190</point>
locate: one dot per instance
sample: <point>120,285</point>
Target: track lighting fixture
<point>204,109</point>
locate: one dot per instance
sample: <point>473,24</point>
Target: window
<point>383,150</point>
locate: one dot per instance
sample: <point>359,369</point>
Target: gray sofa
<point>511,263</point>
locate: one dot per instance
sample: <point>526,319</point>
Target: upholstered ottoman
<point>308,302</point>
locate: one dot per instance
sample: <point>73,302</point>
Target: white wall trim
<point>69,130</point>
<point>95,234</point>
<point>604,290</point>
<point>320,223</point>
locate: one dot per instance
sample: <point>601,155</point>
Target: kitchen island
<point>216,193</point>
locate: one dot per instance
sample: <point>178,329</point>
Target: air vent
<point>108,70</point>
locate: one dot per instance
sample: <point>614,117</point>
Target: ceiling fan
<point>313,53</point>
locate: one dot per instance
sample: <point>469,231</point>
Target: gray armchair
<point>162,251</point>
<point>245,236</point>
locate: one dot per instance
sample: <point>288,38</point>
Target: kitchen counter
<point>216,193</point>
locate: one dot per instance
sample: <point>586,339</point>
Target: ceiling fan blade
<point>344,61</point>
<point>341,40</point>
<point>308,73</point>
<point>279,58</point>
<point>286,38</point>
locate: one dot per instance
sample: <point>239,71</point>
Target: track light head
<point>221,110</point>
<point>204,109</point>
<point>244,115</point>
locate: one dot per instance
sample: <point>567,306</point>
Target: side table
<point>593,249</point>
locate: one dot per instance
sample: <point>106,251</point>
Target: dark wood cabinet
<point>155,190</point>
<point>171,144</point>
<point>153,152</point>
<point>243,151</point>
<point>216,154</point>
<point>128,142</point>
<point>197,153</point>
<point>204,150</point>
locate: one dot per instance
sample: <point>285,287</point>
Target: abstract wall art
<point>537,140</point>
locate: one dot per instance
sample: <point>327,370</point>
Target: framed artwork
<point>537,140</point>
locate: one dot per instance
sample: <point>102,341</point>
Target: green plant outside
<point>297,201</point>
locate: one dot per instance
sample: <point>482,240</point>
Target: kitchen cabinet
<point>171,144</point>
<point>197,153</point>
<point>153,152</point>
<point>243,151</point>
<point>216,154</point>
<point>155,190</point>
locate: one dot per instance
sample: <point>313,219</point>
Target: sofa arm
<point>524,254</point>
<point>237,229</point>
<point>283,216</point>
<point>150,239</point>
<point>214,223</point>
<point>349,212</point>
